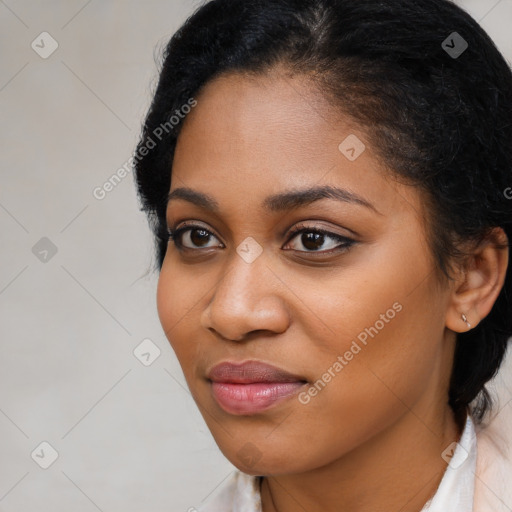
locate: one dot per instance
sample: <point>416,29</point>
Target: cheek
<point>177,305</point>
<point>387,325</point>
<point>179,292</point>
<point>381,358</point>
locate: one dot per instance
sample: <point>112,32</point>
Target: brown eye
<point>192,237</point>
<point>319,240</point>
<point>312,241</point>
<point>199,237</point>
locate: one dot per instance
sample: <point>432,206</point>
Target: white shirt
<point>241,492</point>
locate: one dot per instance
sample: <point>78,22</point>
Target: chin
<point>267,461</point>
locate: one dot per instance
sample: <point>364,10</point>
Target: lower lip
<point>252,398</point>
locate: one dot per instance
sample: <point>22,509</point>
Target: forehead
<point>251,136</point>
<point>260,117</point>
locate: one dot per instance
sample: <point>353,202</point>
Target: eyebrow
<point>283,201</point>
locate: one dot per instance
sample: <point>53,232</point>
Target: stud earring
<point>465,320</point>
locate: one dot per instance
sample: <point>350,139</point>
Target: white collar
<point>456,490</point>
<point>241,492</point>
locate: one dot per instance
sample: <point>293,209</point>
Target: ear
<point>478,284</point>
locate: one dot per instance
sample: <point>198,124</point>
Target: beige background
<point>128,436</point>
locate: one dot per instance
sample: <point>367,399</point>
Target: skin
<point>372,438</point>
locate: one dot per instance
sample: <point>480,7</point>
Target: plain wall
<point>129,437</point>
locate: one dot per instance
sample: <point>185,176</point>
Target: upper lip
<point>250,372</point>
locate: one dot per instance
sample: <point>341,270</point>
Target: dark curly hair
<point>439,116</point>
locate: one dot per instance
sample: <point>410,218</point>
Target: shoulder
<point>493,489</point>
<point>238,493</point>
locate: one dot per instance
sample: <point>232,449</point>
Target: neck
<point>398,469</point>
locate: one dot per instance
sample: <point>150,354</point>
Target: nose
<point>247,298</point>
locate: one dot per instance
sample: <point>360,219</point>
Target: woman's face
<point>350,305</point>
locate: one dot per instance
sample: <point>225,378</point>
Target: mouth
<point>252,387</point>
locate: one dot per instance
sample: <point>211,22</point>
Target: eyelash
<point>345,243</point>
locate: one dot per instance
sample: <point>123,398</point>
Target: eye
<point>314,239</point>
<point>192,237</point>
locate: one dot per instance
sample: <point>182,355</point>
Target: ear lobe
<point>479,284</point>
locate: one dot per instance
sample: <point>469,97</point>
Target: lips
<point>252,387</point>
<point>250,372</point>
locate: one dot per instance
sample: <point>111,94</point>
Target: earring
<point>465,320</point>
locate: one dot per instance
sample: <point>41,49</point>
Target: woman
<point>327,185</point>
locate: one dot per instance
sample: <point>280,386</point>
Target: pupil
<point>310,240</point>
<point>197,240</point>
